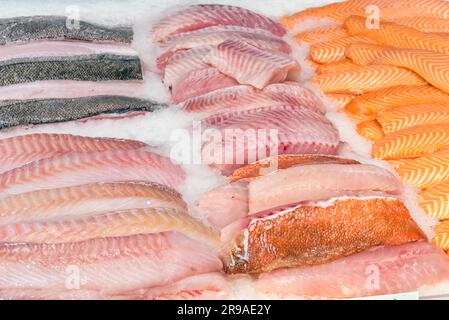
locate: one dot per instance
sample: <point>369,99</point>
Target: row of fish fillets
<point>391,76</point>
<point>233,68</point>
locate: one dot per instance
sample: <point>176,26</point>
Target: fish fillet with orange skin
<point>343,65</point>
<point>251,65</point>
<point>370,129</point>
<point>403,268</point>
<point>412,142</point>
<point>434,201</point>
<point>363,79</point>
<point>321,34</point>
<point>426,171</point>
<point>18,151</point>
<point>108,266</point>
<point>110,224</point>
<point>315,182</point>
<point>88,199</point>
<point>91,167</point>
<point>413,115</point>
<point>317,234</point>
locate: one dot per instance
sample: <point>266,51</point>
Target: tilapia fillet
<point>311,235</point>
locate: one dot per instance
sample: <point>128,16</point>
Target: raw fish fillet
<point>343,65</point>
<point>107,225</point>
<point>83,168</point>
<point>40,111</point>
<point>26,29</point>
<point>370,129</point>
<point>403,268</point>
<point>107,265</point>
<point>199,82</point>
<point>364,53</point>
<point>425,171</point>
<point>434,201</point>
<point>18,151</point>
<point>412,115</point>
<point>313,182</point>
<point>206,15</point>
<point>86,200</point>
<point>412,142</point>
<point>311,235</point>
<point>341,100</point>
<point>92,67</point>
<point>251,65</point>
<point>425,24</point>
<point>441,239</point>
<point>363,79</point>
<point>321,34</point>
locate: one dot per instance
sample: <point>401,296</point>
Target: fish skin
<point>90,167</point>
<point>314,235</point>
<point>434,201</point>
<point>426,171</point>
<point>20,150</point>
<point>97,67</point>
<point>207,15</point>
<point>25,29</point>
<point>364,79</point>
<point>370,129</point>
<point>404,268</point>
<point>250,65</point>
<point>412,142</point>
<point>86,200</point>
<point>147,261</point>
<point>107,225</point>
<point>412,115</point>
<point>316,182</point>
<point>41,111</point>
<point>321,34</point>
<point>338,66</point>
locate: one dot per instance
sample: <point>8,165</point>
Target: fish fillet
<point>315,182</point>
<point>314,235</point>
<point>86,200</point>
<point>18,151</point>
<point>343,65</point>
<point>364,53</point>
<point>40,111</point>
<point>434,201</point>
<point>370,129</point>
<point>363,79</point>
<point>206,15</point>
<point>425,24</point>
<point>251,65</point>
<point>321,34</point>
<point>412,142</point>
<point>341,100</point>
<point>91,167</point>
<point>384,270</point>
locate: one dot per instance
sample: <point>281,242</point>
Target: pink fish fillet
<point>241,137</point>
<point>318,182</point>
<point>18,151</point>
<point>106,266</point>
<point>85,200</point>
<point>384,270</point>
<point>205,15</point>
<point>199,82</point>
<point>250,65</point>
<point>213,36</point>
<point>83,168</point>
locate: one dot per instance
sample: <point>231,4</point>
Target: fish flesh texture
<point>434,201</point>
<point>405,268</point>
<point>441,239</point>
<point>373,102</point>
<point>40,111</point>
<point>370,129</point>
<point>364,53</point>
<point>320,181</point>
<point>343,65</point>
<point>321,34</point>
<point>96,67</point>
<point>91,167</point>
<point>213,36</point>
<point>412,142</point>
<point>250,135</point>
<point>425,24</point>
<point>412,115</point>
<point>199,82</point>
<point>35,28</point>
<point>251,65</point>
<point>71,89</point>
<point>363,79</point>
<point>108,265</point>
<point>425,171</point>
<point>317,234</point>
<point>341,100</point>
<point>87,200</point>
<point>109,224</point>
<point>18,151</point>
<point>207,15</point>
